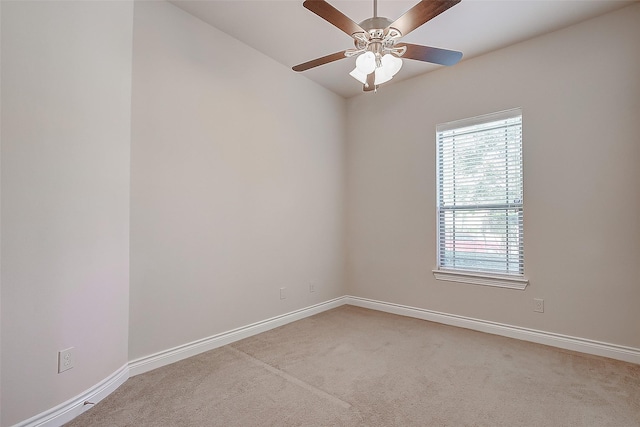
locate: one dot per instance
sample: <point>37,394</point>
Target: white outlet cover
<point>65,359</point>
<point>283,295</point>
<point>538,305</point>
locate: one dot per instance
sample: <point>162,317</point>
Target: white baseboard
<point>70,409</point>
<point>166,357</point>
<point>613,351</point>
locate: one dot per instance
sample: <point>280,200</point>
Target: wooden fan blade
<point>320,61</point>
<point>371,82</point>
<point>332,15</point>
<point>431,54</point>
<point>421,13</point>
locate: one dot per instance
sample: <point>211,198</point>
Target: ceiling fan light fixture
<point>366,62</point>
<point>378,57</point>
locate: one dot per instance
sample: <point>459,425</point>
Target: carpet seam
<point>289,378</point>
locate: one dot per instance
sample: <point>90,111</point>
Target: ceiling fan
<point>378,54</point>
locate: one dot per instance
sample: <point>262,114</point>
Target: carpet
<point>357,367</point>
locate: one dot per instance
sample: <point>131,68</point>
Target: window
<point>479,207</point>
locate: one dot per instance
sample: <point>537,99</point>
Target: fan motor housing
<point>378,31</point>
<point>376,23</point>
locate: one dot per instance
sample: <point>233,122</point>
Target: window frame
<point>470,276</point>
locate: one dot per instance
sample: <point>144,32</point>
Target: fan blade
<point>371,82</point>
<point>421,13</point>
<point>431,54</point>
<point>320,61</point>
<point>332,15</point>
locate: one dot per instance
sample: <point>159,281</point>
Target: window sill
<point>510,282</point>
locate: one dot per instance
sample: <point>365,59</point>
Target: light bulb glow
<point>366,63</point>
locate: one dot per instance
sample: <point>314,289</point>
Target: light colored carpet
<point>356,367</point>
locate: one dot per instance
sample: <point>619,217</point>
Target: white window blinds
<point>480,186</point>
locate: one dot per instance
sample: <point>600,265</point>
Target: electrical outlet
<point>312,287</point>
<point>283,294</point>
<point>65,359</point>
<point>538,305</point>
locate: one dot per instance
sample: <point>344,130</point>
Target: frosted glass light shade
<point>391,64</point>
<point>358,75</point>
<point>382,76</point>
<point>366,63</point>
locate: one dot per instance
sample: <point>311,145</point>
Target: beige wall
<point>66,94</point>
<point>236,184</point>
<point>580,93</point>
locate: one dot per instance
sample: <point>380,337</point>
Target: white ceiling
<point>290,34</point>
